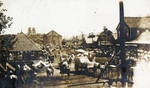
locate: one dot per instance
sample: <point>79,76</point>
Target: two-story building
<point>52,38</point>
<point>134,26</point>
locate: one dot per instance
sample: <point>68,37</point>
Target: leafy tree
<point>5,22</point>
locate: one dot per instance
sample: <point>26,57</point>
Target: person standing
<point>60,56</point>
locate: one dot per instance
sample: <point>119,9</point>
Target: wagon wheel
<point>76,67</point>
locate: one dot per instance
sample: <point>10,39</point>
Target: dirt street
<point>76,80</point>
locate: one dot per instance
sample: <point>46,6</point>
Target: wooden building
<point>23,47</point>
<point>52,38</point>
<point>131,32</point>
<point>105,43</point>
<point>106,37</point>
<point>134,26</point>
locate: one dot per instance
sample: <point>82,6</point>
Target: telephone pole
<point>123,65</point>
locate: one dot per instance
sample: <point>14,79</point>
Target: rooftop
<point>143,38</point>
<point>23,43</point>
<point>137,22</point>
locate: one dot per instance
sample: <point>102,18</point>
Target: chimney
<point>33,31</point>
<point>121,11</point>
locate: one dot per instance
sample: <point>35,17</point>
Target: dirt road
<point>76,80</point>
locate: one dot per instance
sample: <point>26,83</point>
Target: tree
<point>5,22</point>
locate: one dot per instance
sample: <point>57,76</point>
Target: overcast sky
<point>70,17</point>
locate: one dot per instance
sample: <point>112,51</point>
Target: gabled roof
<point>145,23</point>
<point>106,36</point>
<point>23,43</point>
<point>52,33</point>
<point>133,22</point>
<point>106,32</point>
<point>137,22</point>
<point>143,38</point>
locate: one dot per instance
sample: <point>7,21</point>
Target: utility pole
<point>123,65</point>
<point>121,40</point>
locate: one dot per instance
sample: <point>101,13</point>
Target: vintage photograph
<point>74,44</point>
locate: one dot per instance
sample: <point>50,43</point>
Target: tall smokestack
<point>121,11</point>
<point>122,46</point>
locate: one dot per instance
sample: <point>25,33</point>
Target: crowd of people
<point>25,72</point>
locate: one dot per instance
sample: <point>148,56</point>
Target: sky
<point>70,17</point>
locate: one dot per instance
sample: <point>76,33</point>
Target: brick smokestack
<point>121,11</point>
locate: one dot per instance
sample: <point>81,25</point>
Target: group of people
<point>65,63</point>
<point>67,60</point>
<point>14,75</point>
<point>6,78</point>
<point>50,70</point>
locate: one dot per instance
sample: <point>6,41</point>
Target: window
<point>118,34</point>
<point>138,32</point>
<point>99,43</point>
<point>127,32</point>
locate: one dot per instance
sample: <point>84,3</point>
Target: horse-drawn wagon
<point>83,63</point>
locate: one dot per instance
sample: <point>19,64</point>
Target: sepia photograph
<point>74,44</point>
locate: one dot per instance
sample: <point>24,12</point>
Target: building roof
<point>133,22</point>
<point>23,43</point>
<point>108,32</point>
<point>114,35</point>
<point>89,40</point>
<point>137,22</point>
<point>52,33</point>
<point>143,38</point>
<point>106,36</point>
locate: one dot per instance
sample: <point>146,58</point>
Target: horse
<point>96,66</point>
<point>50,72</point>
<point>64,68</point>
<point>130,74</point>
